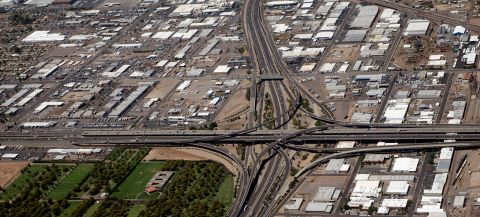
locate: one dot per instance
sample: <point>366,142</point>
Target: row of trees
<point>82,208</point>
<point>113,171</point>
<point>32,200</point>
<point>191,192</point>
<point>112,208</point>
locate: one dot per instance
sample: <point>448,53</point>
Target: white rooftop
<point>44,36</point>
<point>394,203</point>
<point>398,187</point>
<point>405,164</point>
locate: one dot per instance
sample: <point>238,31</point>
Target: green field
<point>226,191</point>
<point>136,209</point>
<point>74,177</point>
<point>92,210</point>
<point>72,205</point>
<point>135,183</point>
<point>21,182</point>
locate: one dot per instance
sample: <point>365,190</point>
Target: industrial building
<point>417,27</point>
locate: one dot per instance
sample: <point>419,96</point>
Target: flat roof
<point>405,164</point>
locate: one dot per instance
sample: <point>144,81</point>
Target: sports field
<point>134,185</point>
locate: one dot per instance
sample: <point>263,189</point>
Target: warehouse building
<point>125,104</point>
<point>404,164</point>
<point>365,17</point>
<point>41,124</point>
<point>444,160</point>
<point>396,110</point>
<point>43,36</point>
<point>398,188</point>
<point>355,35</point>
<point>417,27</point>
<point>294,204</point>
<point>334,165</point>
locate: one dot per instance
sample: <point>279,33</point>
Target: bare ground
<point>193,154</point>
<point>9,171</point>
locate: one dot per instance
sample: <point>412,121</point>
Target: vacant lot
<point>9,171</point>
<point>344,53</point>
<point>171,154</point>
<point>188,154</point>
<point>134,185</point>
<point>74,178</point>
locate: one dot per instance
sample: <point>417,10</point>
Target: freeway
<point>271,167</point>
<point>329,133</point>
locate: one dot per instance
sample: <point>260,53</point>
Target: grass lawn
<point>91,210</point>
<point>226,191</point>
<point>136,209</point>
<point>21,182</point>
<point>72,205</point>
<point>74,177</point>
<point>136,181</point>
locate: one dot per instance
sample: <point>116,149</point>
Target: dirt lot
<point>453,7</point>
<point>162,89</point>
<point>167,153</point>
<point>344,53</point>
<point>237,106</point>
<point>172,154</point>
<point>468,181</point>
<point>9,171</point>
<point>474,21</point>
<point>74,96</point>
<point>122,4</point>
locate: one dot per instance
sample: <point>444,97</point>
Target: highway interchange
<point>264,175</point>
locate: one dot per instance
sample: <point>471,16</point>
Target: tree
<point>293,171</point>
<point>292,184</point>
<point>372,210</point>
<point>212,126</point>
